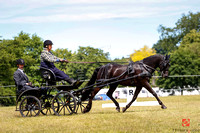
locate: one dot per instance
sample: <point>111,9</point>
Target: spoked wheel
<point>30,106</point>
<point>46,105</point>
<point>81,105</point>
<point>64,103</point>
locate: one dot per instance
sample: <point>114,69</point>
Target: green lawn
<point>135,119</point>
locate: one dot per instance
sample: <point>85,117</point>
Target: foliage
<point>170,38</point>
<point>84,54</point>
<point>122,60</point>
<point>64,54</point>
<point>9,98</point>
<point>88,54</point>
<point>142,53</point>
<point>22,46</point>
<point>184,61</point>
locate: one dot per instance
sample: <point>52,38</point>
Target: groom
<point>21,80</point>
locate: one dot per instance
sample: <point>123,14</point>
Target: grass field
<point>150,119</point>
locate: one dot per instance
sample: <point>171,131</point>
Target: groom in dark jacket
<point>21,80</point>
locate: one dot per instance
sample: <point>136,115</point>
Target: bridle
<point>163,64</point>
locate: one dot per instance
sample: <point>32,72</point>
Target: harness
<point>149,68</point>
<point>129,71</point>
<point>146,71</point>
<point>130,68</point>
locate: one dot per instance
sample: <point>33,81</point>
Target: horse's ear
<point>167,57</point>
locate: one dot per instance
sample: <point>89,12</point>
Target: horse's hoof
<point>124,109</point>
<point>118,109</point>
<point>85,110</point>
<point>163,107</point>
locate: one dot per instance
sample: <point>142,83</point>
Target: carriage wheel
<point>30,106</point>
<point>64,103</point>
<point>46,105</point>
<point>81,105</point>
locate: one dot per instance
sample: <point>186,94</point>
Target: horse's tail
<point>86,93</point>
<point>94,77</point>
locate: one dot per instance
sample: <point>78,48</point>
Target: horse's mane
<point>151,57</point>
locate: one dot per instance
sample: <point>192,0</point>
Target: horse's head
<point>164,66</point>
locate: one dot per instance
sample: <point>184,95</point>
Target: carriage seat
<point>50,78</point>
<point>48,75</point>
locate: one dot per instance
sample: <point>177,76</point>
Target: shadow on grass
<point>145,110</point>
<point>128,111</point>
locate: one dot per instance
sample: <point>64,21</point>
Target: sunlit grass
<point>135,119</point>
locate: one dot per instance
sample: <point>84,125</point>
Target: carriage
<point>66,100</point>
<point>50,98</point>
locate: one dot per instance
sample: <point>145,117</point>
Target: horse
<point>141,71</point>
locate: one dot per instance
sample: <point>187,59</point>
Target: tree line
<point>182,42</point>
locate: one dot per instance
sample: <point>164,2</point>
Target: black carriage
<point>50,98</point>
<point>66,100</point>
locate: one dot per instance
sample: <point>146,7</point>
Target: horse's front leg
<point>109,94</point>
<point>148,87</point>
<point>89,105</point>
<point>137,91</point>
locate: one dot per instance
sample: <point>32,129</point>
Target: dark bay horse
<point>142,70</point>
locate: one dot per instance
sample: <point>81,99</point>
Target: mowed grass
<point>151,119</point>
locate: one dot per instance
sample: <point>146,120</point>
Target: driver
<point>48,59</point>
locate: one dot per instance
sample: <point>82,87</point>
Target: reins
<point>94,62</point>
<point>145,65</point>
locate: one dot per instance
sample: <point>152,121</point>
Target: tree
<point>170,38</point>
<point>64,54</point>
<point>84,54</point>
<point>142,53</point>
<point>184,61</point>
<point>22,46</point>
<point>122,60</point>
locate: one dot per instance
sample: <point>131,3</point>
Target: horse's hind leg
<point>89,105</point>
<point>137,91</point>
<point>148,87</point>
<point>109,94</point>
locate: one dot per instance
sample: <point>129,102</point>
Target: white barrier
<point>130,93</point>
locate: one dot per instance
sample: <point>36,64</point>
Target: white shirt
<point>23,73</point>
<point>21,70</point>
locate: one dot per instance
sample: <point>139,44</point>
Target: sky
<point>115,26</point>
